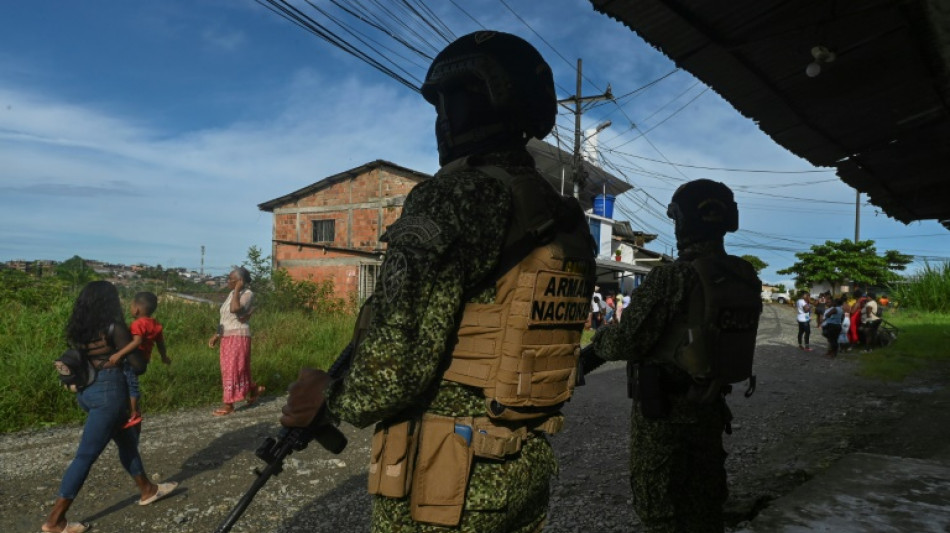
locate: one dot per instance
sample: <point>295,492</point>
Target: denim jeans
<point>131,380</point>
<point>107,405</point>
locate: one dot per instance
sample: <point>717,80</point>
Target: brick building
<point>331,229</point>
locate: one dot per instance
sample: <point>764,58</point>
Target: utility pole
<point>202,273</point>
<point>857,216</point>
<point>577,174</point>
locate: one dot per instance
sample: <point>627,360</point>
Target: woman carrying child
<point>96,328</point>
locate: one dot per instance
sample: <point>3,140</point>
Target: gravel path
<point>807,412</point>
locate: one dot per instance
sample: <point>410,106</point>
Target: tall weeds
<point>927,290</point>
<point>31,337</point>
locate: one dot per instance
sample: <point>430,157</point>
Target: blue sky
<point>138,132</point>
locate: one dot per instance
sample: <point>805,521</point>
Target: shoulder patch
<point>394,275</point>
<point>411,230</point>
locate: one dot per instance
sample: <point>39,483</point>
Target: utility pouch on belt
<point>654,403</point>
<point>496,440</point>
<point>392,458</point>
<point>442,468</point>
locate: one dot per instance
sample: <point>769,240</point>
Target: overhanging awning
<point>878,112</point>
<point>605,266</point>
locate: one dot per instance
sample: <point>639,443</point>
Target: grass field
<point>923,338</point>
<point>923,320</point>
<point>31,337</point>
<point>33,316</point>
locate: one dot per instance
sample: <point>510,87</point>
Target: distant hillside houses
<point>117,272</point>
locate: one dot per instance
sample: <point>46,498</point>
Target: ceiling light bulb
<point>813,69</point>
<point>822,54</point>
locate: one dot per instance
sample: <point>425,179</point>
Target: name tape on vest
<point>560,298</point>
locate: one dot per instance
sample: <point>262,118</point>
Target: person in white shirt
<point>803,307</point>
<point>596,307</point>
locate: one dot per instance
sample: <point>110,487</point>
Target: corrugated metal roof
<point>878,112</point>
<point>553,163</point>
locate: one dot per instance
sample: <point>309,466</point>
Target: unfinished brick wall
<point>361,206</point>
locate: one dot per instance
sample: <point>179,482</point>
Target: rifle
<point>274,451</point>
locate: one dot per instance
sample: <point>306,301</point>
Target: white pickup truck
<point>780,297</point>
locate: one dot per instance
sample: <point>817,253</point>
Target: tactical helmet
<point>703,208</point>
<point>512,75</point>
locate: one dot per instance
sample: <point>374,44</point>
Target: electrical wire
<point>383,29</point>
<point>440,29</point>
<point>298,17</point>
<point>747,170</point>
<point>467,14</point>
<point>638,90</point>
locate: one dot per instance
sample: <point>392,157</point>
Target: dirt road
<point>807,412</point>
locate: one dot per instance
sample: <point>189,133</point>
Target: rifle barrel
<point>245,501</point>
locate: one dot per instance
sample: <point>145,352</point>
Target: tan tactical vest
<point>523,350</point>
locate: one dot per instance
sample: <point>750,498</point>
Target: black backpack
<point>720,334</point>
<point>75,370</point>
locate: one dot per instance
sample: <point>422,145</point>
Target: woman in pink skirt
<point>234,335</point>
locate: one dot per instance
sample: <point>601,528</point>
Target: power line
<point>648,117</point>
<point>728,169</point>
<point>405,24</point>
<point>298,17</point>
<point>638,90</point>
<point>643,133</point>
<point>374,24</point>
<point>551,46</point>
<point>438,26</point>
<point>467,14</point>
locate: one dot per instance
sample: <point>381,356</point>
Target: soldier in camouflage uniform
<point>443,256</point>
<point>677,459</point>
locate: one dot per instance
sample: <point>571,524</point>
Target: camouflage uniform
<point>677,471</point>
<point>447,240</point>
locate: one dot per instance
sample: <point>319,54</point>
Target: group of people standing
<point>846,321</point>
<point>604,311</point>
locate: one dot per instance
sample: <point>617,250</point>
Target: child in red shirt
<point>146,332</point>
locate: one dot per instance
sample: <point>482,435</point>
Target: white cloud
<point>227,39</point>
<point>83,180</point>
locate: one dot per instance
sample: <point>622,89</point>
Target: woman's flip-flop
<point>73,527</point>
<point>222,411</point>
<point>164,489</point>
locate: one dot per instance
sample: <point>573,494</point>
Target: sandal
<point>162,490</point>
<point>223,411</point>
<point>258,390</point>
<point>134,420</point>
<point>71,527</point>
